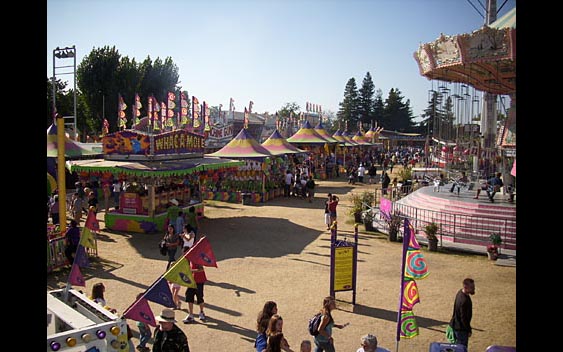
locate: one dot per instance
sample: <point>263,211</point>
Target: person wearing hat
<point>168,336</point>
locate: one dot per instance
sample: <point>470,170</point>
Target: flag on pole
<point>156,114</point>
<point>105,127</point>
<point>201,253</point>
<point>87,238</point>
<point>121,118</point>
<point>137,109</point>
<point>81,258</point>
<point>183,109</point>
<point>245,125</point>
<point>75,277</point>
<point>160,293</point>
<point>163,115</point>
<point>140,311</point>
<point>91,221</point>
<point>171,97</point>
<point>195,113</point>
<point>181,273</point>
<point>413,267</point>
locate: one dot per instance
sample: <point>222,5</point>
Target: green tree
<point>64,101</point>
<point>398,115</point>
<point>348,113</point>
<point>366,101</point>
<point>378,108</point>
<point>430,116</point>
<point>97,76</point>
<point>447,120</point>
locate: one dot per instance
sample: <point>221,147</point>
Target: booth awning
<point>176,167</point>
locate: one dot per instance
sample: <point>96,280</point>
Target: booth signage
<point>343,268</point>
<point>179,141</point>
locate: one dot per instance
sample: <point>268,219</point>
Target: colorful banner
<point>178,142</point>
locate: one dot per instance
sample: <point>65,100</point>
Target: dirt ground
<point>280,251</point>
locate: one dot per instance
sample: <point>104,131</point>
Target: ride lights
<point>71,341</point>
<point>115,344</point>
<point>87,337</point>
<point>101,334</point>
<point>115,330</point>
<point>55,346</point>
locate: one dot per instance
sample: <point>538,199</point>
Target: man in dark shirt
<point>463,311</point>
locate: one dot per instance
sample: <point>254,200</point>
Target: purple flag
<point>75,278</point>
<point>81,258</point>
<point>160,293</point>
<point>141,311</point>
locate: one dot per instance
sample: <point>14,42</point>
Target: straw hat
<point>167,315</point>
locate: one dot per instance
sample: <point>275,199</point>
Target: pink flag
<point>385,207</point>
<point>141,311</point>
<point>160,293</point>
<point>513,171</point>
<point>75,277</point>
<point>201,253</point>
<point>91,221</point>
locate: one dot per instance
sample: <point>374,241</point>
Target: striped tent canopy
<point>51,184</point>
<point>277,145</point>
<point>360,139</point>
<point>321,130</point>
<point>307,135</point>
<point>348,137</point>
<point>242,146</point>
<point>370,133</point>
<point>72,148</point>
<point>339,136</point>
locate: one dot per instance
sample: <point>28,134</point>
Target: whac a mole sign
<point>139,143</point>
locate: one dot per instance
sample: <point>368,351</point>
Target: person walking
<point>144,333</point>
<point>369,344</point>
<point>168,336</point>
<point>327,212</point>
<point>385,180</point>
<point>324,340</point>
<point>463,312</point>
<point>275,327</point>
<point>72,238</point>
<point>200,279</point>
<point>287,185</point>
<point>172,240</point>
<point>310,186</point>
<point>270,308</point>
<point>332,207</point>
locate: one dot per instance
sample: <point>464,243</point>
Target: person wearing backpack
<point>324,340</point>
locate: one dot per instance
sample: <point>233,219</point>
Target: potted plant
<point>493,249</point>
<point>394,222</point>
<point>431,229</point>
<point>359,202</point>
<point>367,217</point>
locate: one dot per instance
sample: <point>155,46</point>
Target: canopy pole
<point>61,182</point>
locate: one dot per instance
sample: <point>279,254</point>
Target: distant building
<point>222,133</point>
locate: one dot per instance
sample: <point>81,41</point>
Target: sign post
<point>343,263</point>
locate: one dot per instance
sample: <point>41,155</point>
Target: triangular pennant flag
<point>81,258</point>
<point>91,221</point>
<point>87,238</point>
<point>410,296</point>
<point>413,243</point>
<point>201,253</point>
<point>141,311</point>
<point>160,293</point>
<point>409,328</point>
<point>75,277</point>
<point>385,207</point>
<point>181,273</point>
<point>415,267</point>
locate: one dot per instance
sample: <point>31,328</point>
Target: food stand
<point>155,169</point>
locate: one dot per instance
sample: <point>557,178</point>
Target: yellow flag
<point>87,238</point>
<point>181,273</point>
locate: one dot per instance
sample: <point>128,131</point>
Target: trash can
<point>446,347</point>
<point>246,198</point>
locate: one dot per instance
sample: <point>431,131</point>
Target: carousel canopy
<point>162,168</point>
<point>321,130</point>
<point>307,135</point>
<point>72,149</point>
<point>277,145</point>
<point>484,59</point>
<point>242,146</point>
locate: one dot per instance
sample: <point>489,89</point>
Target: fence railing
<point>456,227</point>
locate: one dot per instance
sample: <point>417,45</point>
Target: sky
<point>270,52</point>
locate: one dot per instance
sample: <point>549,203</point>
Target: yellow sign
<point>343,268</point>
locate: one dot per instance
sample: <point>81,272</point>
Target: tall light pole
<point>64,53</point>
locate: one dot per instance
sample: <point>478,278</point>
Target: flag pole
<point>406,240</point>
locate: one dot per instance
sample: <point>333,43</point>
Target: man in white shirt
<point>369,344</point>
<point>288,181</point>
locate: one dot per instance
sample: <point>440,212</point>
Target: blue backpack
<point>314,324</point>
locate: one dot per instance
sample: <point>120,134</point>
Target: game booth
<point>160,173</point>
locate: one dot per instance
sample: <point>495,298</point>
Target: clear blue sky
<point>270,51</point>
